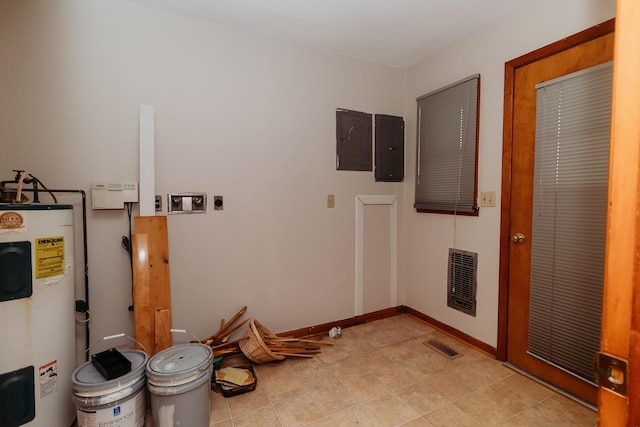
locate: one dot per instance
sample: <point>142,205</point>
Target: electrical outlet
<point>186,203</point>
<point>218,203</point>
<point>158,203</point>
<point>174,203</point>
<point>198,203</point>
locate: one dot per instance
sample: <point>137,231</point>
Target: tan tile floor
<point>382,374</point>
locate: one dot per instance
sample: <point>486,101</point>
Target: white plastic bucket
<point>117,402</point>
<point>179,383</point>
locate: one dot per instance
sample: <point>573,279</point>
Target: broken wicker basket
<point>253,345</point>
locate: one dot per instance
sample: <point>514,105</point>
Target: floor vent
<point>443,349</point>
<point>462,281</point>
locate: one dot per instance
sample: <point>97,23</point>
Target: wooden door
<point>621,305</point>
<point>586,49</point>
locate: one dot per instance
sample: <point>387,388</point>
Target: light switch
<point>488,199</point>
<point>331,201</point>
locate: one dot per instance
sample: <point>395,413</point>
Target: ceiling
<point>393,32</point>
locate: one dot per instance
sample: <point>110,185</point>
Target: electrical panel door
<point>354,140</point>
<point>389,148</point>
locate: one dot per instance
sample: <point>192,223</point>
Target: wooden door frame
<point>507,147</point>
<point>621,301</point>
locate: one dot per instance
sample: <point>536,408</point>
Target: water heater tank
<point>37,324</point>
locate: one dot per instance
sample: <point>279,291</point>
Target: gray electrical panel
<point>354,140</point>
<point>389,148</point>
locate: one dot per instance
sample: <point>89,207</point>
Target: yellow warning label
<point>49,256</point>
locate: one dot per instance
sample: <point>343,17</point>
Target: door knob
<point>517,238</point>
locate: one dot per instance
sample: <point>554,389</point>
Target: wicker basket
<point>254,347</point>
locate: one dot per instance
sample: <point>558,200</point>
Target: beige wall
<point>236,115</point>
<point>428,236</point>
<point>252,120</point>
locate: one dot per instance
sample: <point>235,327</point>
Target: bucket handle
<point>120,335</point>
<point>181,331</point>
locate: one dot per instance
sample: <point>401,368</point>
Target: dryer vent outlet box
<point>181,203</point>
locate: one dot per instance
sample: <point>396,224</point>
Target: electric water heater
<point>37,309</point>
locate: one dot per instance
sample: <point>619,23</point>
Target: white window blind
<point>446,177</point>
<point>569,218</point>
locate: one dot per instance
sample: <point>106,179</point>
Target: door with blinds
<point>559,173</point>
<point>573,121</point>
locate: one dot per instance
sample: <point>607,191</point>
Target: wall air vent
<point>462,281</point>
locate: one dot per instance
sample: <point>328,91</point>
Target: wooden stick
<point>235,317</point>
<point>319,334</point>
<point>228,344</point>
<point>294,354</point>
<point>232,330</point>
<point>301,340</point>
<point>226,352</point>
<point>288,348</point>
<point>291,344</point>
<point>224,326</point>
<point>292,350</point>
